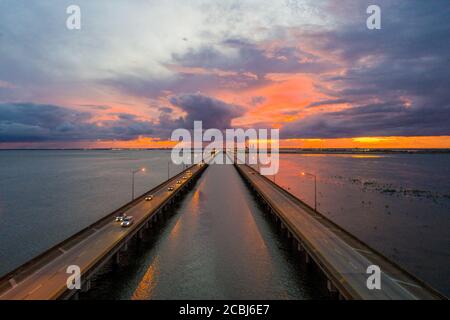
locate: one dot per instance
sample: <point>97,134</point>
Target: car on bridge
<point>127,221</point>
<point>178,181</point>
<point>149,198</point>
<point>170,188</point>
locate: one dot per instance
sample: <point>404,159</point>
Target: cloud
<point>212,112</point>
<point>326,103</point>
<point>28,122</point>
<point>394,79</point>
<point>257,100</point>
<point>385,119</point>
<point>261,58</point>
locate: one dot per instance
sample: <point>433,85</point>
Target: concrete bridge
<point>45,277</point>
<point>342,258</point>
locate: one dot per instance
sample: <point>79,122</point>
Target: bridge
<point>342,258</point>
<point>45,277</point>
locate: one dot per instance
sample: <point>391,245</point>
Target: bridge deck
<point>343,258</point>
<point>45,276</point>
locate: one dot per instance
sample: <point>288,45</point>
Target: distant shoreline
<point>282,150</point>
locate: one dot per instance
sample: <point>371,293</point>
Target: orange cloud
<point>284,99</point>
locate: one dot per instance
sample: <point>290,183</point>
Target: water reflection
<point>219,245</point>
<point>147,283</point>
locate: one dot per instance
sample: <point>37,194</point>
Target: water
<point>397,203</point>
<point>218,245</point>
<point>46,196</point>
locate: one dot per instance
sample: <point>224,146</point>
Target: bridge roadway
<point>342,257</point>
<point>45,276</point>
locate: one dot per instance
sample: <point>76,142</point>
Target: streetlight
<point>315,187</point>
<point>168,170</point>
<point>133,172</point>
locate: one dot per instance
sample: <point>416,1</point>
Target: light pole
<point>168,170</point>
<point>315,187</point>
<point>133,172</point>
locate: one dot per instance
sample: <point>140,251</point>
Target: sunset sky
<point>139,69</point>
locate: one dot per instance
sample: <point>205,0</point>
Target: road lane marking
<point>35,289</point>
<point>361,250</point>
<point>404,282</point>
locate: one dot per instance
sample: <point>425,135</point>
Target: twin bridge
<point>342,258</point>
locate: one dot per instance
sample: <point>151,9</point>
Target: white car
<point>127,221</point>
<point>170,189</point>
<point>178,182</point>
<point>149,198</point>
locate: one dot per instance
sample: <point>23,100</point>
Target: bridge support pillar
<point>300,247</point>
<point>141,234</point>
<point>86,286</point>
<point>307,258</point>
<point>330,286</point>
<point>124,247</point>
<point>117,258</point>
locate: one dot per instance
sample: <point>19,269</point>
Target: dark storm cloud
<point>386,119</point>
<point>165,109</point>
<point>326,103</point>
<point>145,86</point>
<point>254,59</point>
<point>396,78</point>
<point>212,112</point>
<point>28,122</point>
